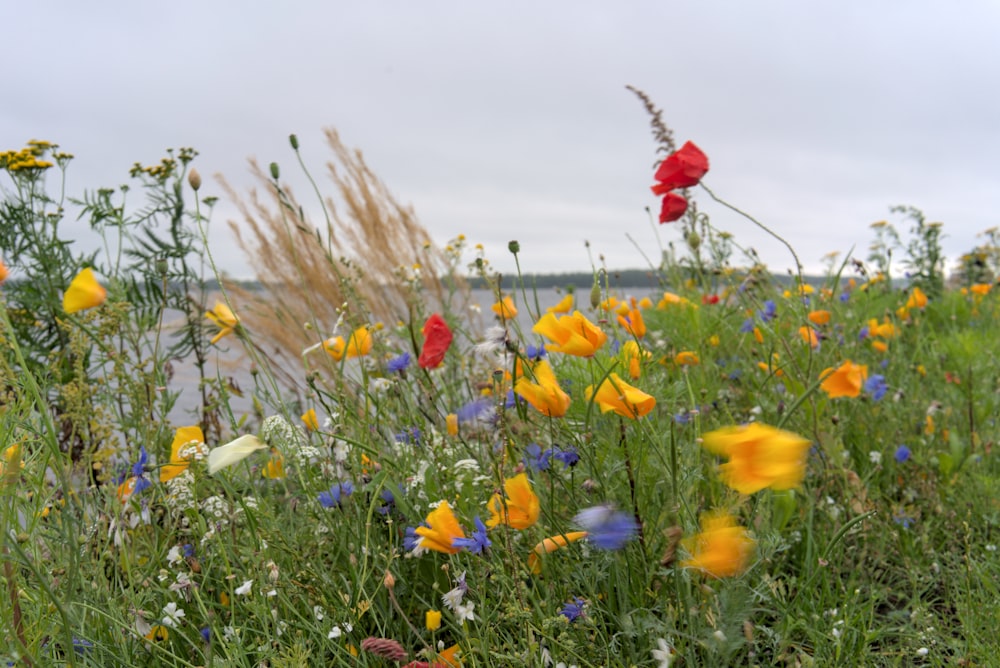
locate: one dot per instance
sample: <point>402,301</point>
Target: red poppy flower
<point>673,208</point>
<point>682,169</point>
<point>709,299</point>
<point>437,339</point>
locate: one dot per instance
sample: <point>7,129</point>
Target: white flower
<point>334,633</point>
<point>923,651</point>
<point>175,555</point>
<point>496,340</point>
<point>453,599</point>
<point>172,615</point>
<point>233,452</point>
<point>664,654</point>
<point>318,613</point>
<point>244,588</point>
<point>464,612</point>
<point>875,456</point>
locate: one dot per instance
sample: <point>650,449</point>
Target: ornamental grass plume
<point>440,530</point>
<point>759,457</point>
<point>84,292</point>
<point>614,394</point>
<point>520,509</point>
<point>544,393</point>
<point>722,549</point>
<point>571,334</point>
<point>222,317</point>
<point>847,380</point>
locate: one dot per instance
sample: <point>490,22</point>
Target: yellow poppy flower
<point>634,356</point>
<point>358,345</point>
<point>310,420</point>
<point>441,528</point>
<point>917,299</point>
<point>185,438</point>
<point>222,317</point>
<point>722,549</point>
<point>432,619</point>
<point>616,395</point>
<point>572,334</point>
<point>84,292</point>
<point>505,308</point>
<point>631,321</point>
<point>819,317</point>
<point>275,467</point>
<point>686,358</point>
<point>759,456</point>
<point>809,335</point>
<point>565,305</point>
<point>544,394</point>
<point>844,381</point>
<point>549,545</point>
<point>521,508</point>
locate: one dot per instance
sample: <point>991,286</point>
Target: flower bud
<point>194,180</point>
<point>274,171</point>
<point>294,141</point>
<point>514,247</point>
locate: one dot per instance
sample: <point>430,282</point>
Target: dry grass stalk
<point>351,261</point>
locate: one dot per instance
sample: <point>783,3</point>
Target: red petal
<point>673,208</point>
<point>437,339</point>
<point>683,168</point>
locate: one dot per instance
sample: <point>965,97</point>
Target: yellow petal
<point>84,292</point>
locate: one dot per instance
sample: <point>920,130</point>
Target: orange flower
<point>84,292</point>
<point>808,335</point>
<point>573,334</point>
<point>819,317</point>
<point>616,395</point>
<point>686,358</point>
<point>844,381</point>
<point>758,336</point>
<point>544,394</point>
<point>310,420</point>
<point>632,323</point>
<point>521,508</point>
<point>917,299</point>
<point>187,440</point>
<point>633,355</point>
<point>223,318</point>
<point>359,345</point>
<point>979,289</point>
<point>441,528</point>
<point>551,545</point>
<point>505,308</point>
<point>670,299</point>
<point>722,549</point>
<point>759,456</point>
<point>880,346</point>
<point>4,272</point>
<point>451,424</point>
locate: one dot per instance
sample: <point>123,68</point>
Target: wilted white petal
<point>233,452</point>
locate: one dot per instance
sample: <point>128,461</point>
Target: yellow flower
<point>809,335</point>
<point>521,508</point>
<point>505,308</point>
<point>184,439</point>
<point>4,272</point>
<point>880,346</point>
<point>758,336</point>
<point>917,299</point>
<point>10,462</point>
<point>551,545</point>
<point>722,549</point>
<point>84,292</point>
<point>158,633</point>
<point>544,394</point>
<point>451,423</point>
<point>310,420</point>
<point>573,334</point>
<point>633,355</point>
<point>565,305</point>
<point>222,317</point>
<point>670,299</point>
<point>686,358</point>
<point>441,528</point>
<point>631,321</point>
<point>844,381</point>
<point>433,620</point>
<point>616,395</point>
<point>275,467</point>
<point>359,344</point>
<point>759,456</point>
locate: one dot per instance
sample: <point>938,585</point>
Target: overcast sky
<point>511,121</point>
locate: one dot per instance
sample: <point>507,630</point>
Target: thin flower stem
<point>623,441</point>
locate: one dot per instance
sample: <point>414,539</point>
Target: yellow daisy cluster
<point>30,157</point>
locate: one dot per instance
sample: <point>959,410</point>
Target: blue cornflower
<point>845,296</point>
<point>410,538</point>
<point>573,610</point>
<point>388,501</point>
<point>876,386</point>
<point>475,543</point>
<point>535,459</point>
<point>903,520</point>
<point>607,528</point>
<point>682,418</point>
<point>511,399</point>
<point>478,409</point>
<point>409,436</point>
<point>206,633</point>
<point>568,457</point>
<point>863,333</point>
<point>137,471</point>
<point>188,549</point>
<point>338,492</point>
<point>398,364</point>
<point>81,646</point>
<point>902,454</point>
<point>535,352</point>
<point>747,326</point>
<point>770,310</point>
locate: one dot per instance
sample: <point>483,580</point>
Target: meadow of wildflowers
<point>715,468</point>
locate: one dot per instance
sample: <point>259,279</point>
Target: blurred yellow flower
<point>809,335</point>
<point>187,439</point>
<point>222,317</point>
<point>310,420</point>
<point>819,317</point>
<point>686,358</point>
<point>505,308</point>
<point>616,395</point>
<point>572,334</point>
<point>549,545</point>
<point>917,299</point>
<point>844,381</point>
<point>760,456</point>
<point>275,467</point>
<point>634,356</point>
<point>358,345</point>
<point>544,394</point>
<point>4,272</point>
<point>84,292</point>
<point>451,424</point>
<point>631,321</point>
<point>565,305</point>
<point>670,299</point>
<point>521,508</point>
<point>441,528</point>
<point>722,549</point>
